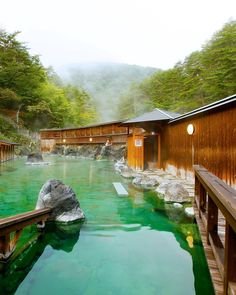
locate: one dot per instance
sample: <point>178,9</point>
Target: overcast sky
<point>156,33</point>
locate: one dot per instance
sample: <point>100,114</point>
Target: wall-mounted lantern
<point>90,139</point>
<point>64,140</point>
<point>153,133</point>
<point>190,129</point>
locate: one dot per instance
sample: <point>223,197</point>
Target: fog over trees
<point>35,97</point>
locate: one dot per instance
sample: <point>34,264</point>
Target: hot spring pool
<point>127,245</point>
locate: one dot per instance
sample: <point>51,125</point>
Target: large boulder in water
<point>62,199</point>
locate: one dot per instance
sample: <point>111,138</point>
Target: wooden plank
<point>213,142</point>
<point>211,261</point>
<point>120,189</point>
<point>14,223</point>
<point>22,217</point>
<point>230,256</point>
<point>232,288</point>
<point>222,194</point>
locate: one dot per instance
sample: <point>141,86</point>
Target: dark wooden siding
<point>212,145</point>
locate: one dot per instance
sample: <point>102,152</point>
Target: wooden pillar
<point>202,198</point>
<point>4,246</point>
<point>229,257</point>
<point>212,219</point>
<point>159,151</point>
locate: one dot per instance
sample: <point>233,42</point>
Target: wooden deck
<point>211,261</point>
<point>215,212</point>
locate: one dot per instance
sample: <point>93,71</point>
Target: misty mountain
<point>105,82</point>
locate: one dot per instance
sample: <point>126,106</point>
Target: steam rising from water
<point>105,82</point>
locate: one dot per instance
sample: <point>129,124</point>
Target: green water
<point>127,245</point>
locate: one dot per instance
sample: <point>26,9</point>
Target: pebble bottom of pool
<point>134,245</point>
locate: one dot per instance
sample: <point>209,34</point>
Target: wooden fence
<point>13,226</point>
<point>216,206</point>
<point>6,151</point>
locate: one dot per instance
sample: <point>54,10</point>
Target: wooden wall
<point>6,151</point>
<point>135,154</point>
<point>84,135</point>
<point>212,145</point>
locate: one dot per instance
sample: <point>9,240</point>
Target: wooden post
<point>229,257</point>
<point>202,198</point>
<point>212,219</point>
<point>159,151</point>
<point>4,246</point>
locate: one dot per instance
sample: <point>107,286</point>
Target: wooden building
<point>159,139</point>
<point>92,134</point>
<point>205,136</point>
<point>7,150</point>
<point>144,143</point>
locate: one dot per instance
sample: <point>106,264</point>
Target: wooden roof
<point>210,107</point>
<point>8,142</point>
<point>83,127</point>
<point>155,115</point>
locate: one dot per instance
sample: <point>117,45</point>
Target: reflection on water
<point>58,237</point>
<point>134,245</point>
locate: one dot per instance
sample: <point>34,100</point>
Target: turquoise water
<point>127,245</point>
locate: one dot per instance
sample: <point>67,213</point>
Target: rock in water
<point>34,157</point>
<point>189,211</point>
<point>144,182</point>
<point>175,192</point>
<point>62,199</point>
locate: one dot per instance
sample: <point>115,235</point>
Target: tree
<point>19,71</point>
<point>204,76</point>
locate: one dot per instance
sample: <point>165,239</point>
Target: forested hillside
<point>203,77</point>
<point>34,97</point>
<point>105,82</point>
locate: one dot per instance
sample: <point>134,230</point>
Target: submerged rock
<point>62,199</point>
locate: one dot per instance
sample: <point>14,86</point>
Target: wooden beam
<point>15,224</point>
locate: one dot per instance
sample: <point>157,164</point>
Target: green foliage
<point>8,99</point>
<point>204,76</point>
<point>35,94</point>
<point>8,133</point>
<point>19,71</point>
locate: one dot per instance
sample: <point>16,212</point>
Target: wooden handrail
<point>5,222</point>
<point>16,224</point>
<point>222,194</point>
<point>212,197</point>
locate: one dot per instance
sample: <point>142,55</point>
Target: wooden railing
<point>216,201</point>
<point>11,229</point>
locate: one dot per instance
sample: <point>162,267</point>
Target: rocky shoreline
<point>176,192</point>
